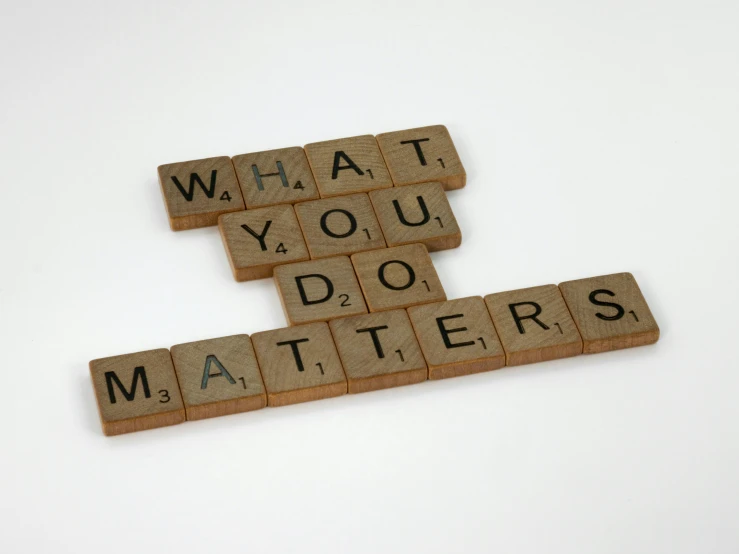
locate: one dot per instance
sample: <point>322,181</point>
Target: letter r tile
<point>457,337</point>
<point>319,290</point>
<point>137,391</point>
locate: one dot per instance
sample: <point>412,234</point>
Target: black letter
<point>352,224</point>
<point>296,353</point>
<point>222,373</point>
<point>195,177</point>
<point>417,145</point>
<point>260,238</point>
<point>619,309</point>
<point>446,332</point>
<point>375,339</point>
<point>424,211</point>
<point>301,289</point>
<point>517,318</point>
<point>139,372</point>
<point>409,269</point>
<point>351,165</point>
<point>280,171</point>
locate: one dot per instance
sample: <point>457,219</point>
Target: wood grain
<point>339,226</point>
<point>218,377</point>
<point>319,290</point>
<point>258,240</point>
<point>610,312</point>
<point>299,364</point>
<point>378,351</point>
<point>348,166</point>
<point>457,337</point>
<point>198,191</point>
<point>136,391</point>
<point>422,155</point>
<point>534,325</point>
<point>417,213</point>
<point>397,277</point>
<point>284,177</point>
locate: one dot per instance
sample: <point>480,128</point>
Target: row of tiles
<point>368,352</point>
<point>196,192</point>
<point>258,240</point>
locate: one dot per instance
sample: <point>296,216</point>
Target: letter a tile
<point>258,240</point>
<point>378,351</point>
<point>137,391</point>
<point>273,177</point>
<point>398,277</point>
<point>319,290</point>
<point>299,364</point>
<point>348,166</point>
<point>534,325</point>
<point>457,337</point>
<point>198,191</point>
<point>610,312</point>
<point>218,377</point>
<point>422,155</point>
<point>417,213</point>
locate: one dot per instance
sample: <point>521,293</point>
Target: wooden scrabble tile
<point>339,226</point>
<point>417,213</point>
<point>378,351</point>
<point>198,191</point>
<point>347,166</point>
<point>534,325</point>
<point>319,290</point>
<point>258,240</point>
<point>421,155</point>
<point>610,312</point>
<point>218,377</point>
<point>136,392</point>
<point>457,337</point>
<point>397,277</point>
<point>273,177</point>
<point>299,364</point>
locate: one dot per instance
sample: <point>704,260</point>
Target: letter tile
<point>610,312</point>
<point>457,337</point>
<point>218,377</point>
<point>534,325</point>
<point>347,166</point>
<point>378,351</point>
<point>397,277</point>
<point>136,392</point>
<point>273,177</point>
<point>299,364</point>
<point>319,290</point>
<point>417,213</point>
<point>258,240</point>
<point>198,191</point>
<point>422,155</point>
<point>339,226</point>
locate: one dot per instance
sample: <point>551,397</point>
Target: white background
<point>598,137</point>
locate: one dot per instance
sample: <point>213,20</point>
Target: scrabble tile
<point>457,337</point>
<point>258,240</point>
<point>378,351</point>
<point>319,290</point>
<point>218,377</point>
<point>136,392</point>
<point>610,312</point>
<point>299,364</point>
<point>422,155</point>
<point>397,277</point>
<point>273,177</point>
<point>417,213</point>
<point>534,325</point>
<point>348,166</point>
<point>339,226</point>
<point>198,191</point>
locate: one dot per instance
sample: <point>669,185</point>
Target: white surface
<point>597,139</point>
